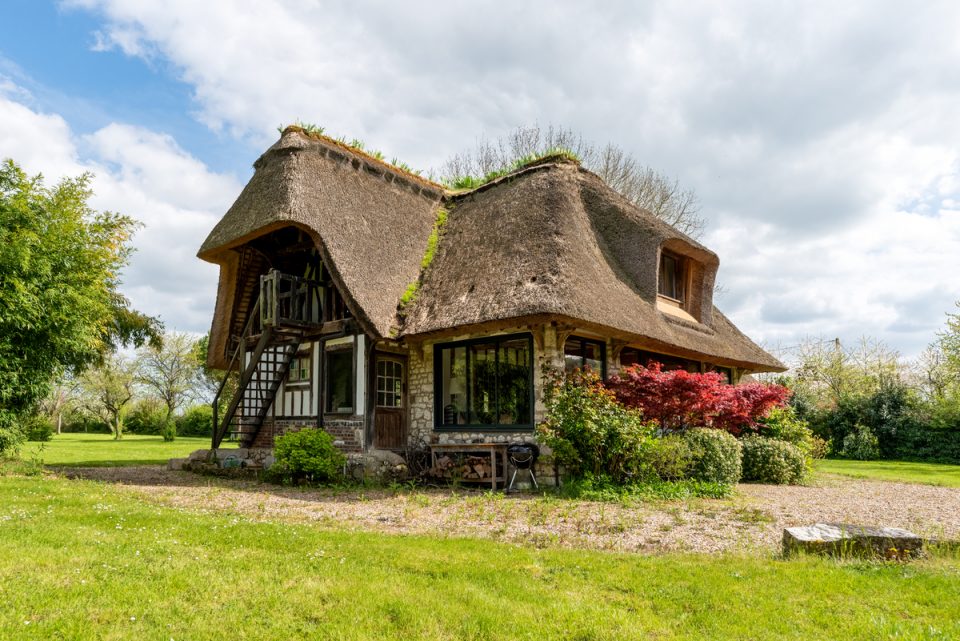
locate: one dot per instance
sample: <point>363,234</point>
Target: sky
<point>821,138</point>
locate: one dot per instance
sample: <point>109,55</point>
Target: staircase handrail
<point>240,349</point>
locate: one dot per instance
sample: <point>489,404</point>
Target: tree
<point>948,342</point>
<point>108,390</point>
<point>63,396</point>
<point>170,371</point>
<point>60,306</point>
<point>640,184</point>
<point>678,400</point>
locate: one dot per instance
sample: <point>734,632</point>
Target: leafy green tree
<point>949,343</point>
<point>170,372</point>
<point>60,306</point>
<point>109,389</point>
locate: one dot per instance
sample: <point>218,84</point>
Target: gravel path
<point>754,519</point>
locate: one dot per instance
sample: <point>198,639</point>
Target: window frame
<point>680,276</point>
<point>438,349</point>
<point>328,380</point>
<point>298,381</point>
<point>584,341</point>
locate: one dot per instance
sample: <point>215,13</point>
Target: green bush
<point>715,454</point>
<point>307,454</point>
<point>819,448</point>
<point>147,416</point>
<point>782,423</point>
<point>861,444</point>
<point>669,458</point>
<point>11,435</point>
<point>196,421</point>
<point>86,425</point>
<point>770,460</point>
<point>38,428</point>
<point>169,431</point>
<point>590,433</point>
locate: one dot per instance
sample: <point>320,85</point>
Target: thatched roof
<point>555,240</point>
<point>550,240</point>
<point>370,220</point>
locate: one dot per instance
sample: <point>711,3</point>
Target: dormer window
<point>672,277</point>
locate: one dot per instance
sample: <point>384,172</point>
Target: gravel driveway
<point>753,519</point>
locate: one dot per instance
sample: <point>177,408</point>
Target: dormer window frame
<point>681,274</point>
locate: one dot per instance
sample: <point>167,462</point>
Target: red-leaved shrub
<point>678,399</point>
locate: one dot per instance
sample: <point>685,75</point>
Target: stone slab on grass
<point>844,539</point>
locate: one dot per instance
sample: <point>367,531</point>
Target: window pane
<point>514,383</point>
<point>453,385</point>
<point>573,354</point>
<point>669,272</point>
<point>593,356</point>
<point>482,384</point>
<point>339,375</point>
<point>389,384</point>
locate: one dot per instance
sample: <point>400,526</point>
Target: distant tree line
<point>868,402</point>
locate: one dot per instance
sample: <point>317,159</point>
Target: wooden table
<point>493,450</point>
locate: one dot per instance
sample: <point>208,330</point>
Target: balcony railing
<point>289,301</point>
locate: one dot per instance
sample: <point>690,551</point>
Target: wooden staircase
<point>285,310</point>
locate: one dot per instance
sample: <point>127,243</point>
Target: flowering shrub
<point>770,460</point>
<point>590,433</point>
<point>678,400</point>
<point>716,456</point>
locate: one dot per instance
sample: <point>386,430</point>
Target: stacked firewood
<point>470,468</point>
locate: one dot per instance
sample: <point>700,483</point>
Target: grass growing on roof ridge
<point>473,182</point>
<point>83,560</point>
<point>355,145</point>
<point>439,224</point>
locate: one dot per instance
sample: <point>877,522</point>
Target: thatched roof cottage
<point>377,305</point>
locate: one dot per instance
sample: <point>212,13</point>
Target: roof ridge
<point>363,155</point>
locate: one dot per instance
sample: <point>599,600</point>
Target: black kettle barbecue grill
<point>523,456</point>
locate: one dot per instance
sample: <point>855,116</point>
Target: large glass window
<point>583,353</point>
<point>339,374</point>
<point>484,383</point>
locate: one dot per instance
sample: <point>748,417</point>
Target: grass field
<point>82,560</point>
<point>926,473</point>
<point>101,450</point>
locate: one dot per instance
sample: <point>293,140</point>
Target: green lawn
<point>927,473</point>
<point>101,450</point>
<point>81,560</point>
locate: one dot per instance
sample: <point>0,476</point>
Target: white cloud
<point>821,138</point>
<point>147,176</point>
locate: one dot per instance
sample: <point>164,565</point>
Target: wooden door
<point>390,416</point>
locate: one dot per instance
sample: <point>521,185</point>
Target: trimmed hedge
<point>770,460</point>
<point>716,456</point>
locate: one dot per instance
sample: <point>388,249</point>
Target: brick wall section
<point>348,431</point>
